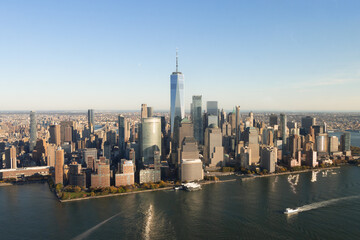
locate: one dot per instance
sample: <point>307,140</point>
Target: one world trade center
<point>177,104</point>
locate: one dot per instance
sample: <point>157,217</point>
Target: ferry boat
<point>291,211</point>
<point>192,186</point>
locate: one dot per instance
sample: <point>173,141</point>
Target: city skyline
<point>291,57</point>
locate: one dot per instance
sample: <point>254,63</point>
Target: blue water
<point>234,210</point>
<point>355,137</point>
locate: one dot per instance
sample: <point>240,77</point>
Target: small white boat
<point>291,211</point>
<point>178,187</point>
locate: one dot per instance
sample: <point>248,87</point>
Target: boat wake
<point>293,181</point>
<point>316,205</point>
<point>149,217</point>
<point>88,232</point>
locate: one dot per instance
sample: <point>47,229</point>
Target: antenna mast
<point>177,62</point>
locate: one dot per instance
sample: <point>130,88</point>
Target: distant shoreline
<point>287,173</point>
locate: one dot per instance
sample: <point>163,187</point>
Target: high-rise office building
<point>150,112</point>
<point>251,137</point>
<point>59,166</point>
<point>150,139</point>
<point>33,130</point>
<point>122,126</point>
<point>333,144</point>
<point>89,152</point>
<point>55,137</point>
<point>213,149</point>
<point>197,119</point>
<point>10,157</point>
<point>251,119</point>
<point>283,125</point>
<point>66,131</point>
<point>345,141</point>
<point>273,120</point>
<point>222,117</point>
<point>307,122</point>
<point>268,159</point>
<point>144,111</point>
<point>51,155</point>
<point>237,119</point>
<point>322,143</point>
<point>177,96</point>
<point>191,166</point>
<point>91,120</point>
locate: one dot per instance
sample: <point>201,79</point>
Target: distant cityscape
<point>97,150</point>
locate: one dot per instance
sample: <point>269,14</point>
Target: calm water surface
<point>233,210</point>
<point>355,137</point>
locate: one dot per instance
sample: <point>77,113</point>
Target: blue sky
<point>115,55</point>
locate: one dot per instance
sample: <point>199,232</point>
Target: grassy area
<point>73,192</point>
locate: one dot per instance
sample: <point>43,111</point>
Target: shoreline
<point>141,191</point>
<point>244,178</point>
<point>6,184</point>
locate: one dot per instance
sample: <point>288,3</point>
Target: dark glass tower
<point>33,133</point>
<point>91,119</point>
<point>121,135</point>
<point>197,119</point>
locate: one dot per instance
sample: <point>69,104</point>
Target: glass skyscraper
<point>91,119</point>
<point>196,117</point>
<point>283,123</point>
<point>122,126</point>
<point>177,96</point>
<point>33,133</point>
<point>150,139</point>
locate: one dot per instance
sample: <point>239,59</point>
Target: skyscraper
<point>54,131</point>
<point>237,124</point>
<point>283,123</point>
<point>150,111</point>
<point>66,131</point>
<point>273,120</point>
<point>91,120</point>
<point>150,139</point>
<point>177,96</point>
<point>59,166</point>
<point>196,117</point>
<point>346,141</point>
<point>122,126</point>
<point>33,132</point>
<point>213,149</point>
<point>144,111</point>
<point>307,122</point>
<point>10,157</point>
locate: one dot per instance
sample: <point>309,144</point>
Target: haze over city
<point>290,56</point>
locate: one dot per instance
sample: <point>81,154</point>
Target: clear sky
<point>115,55</point>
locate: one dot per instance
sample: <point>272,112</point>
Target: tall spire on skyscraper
<point>177,104</point>
<point>177,61</point>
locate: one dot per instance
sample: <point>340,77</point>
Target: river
<point>329,209</point>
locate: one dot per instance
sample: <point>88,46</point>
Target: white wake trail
<point>148,222</point>
<point>325,203</point>
<point>88,232</point>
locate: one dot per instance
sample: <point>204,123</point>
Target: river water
<point>329,209</point>
<point>355,137</point>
